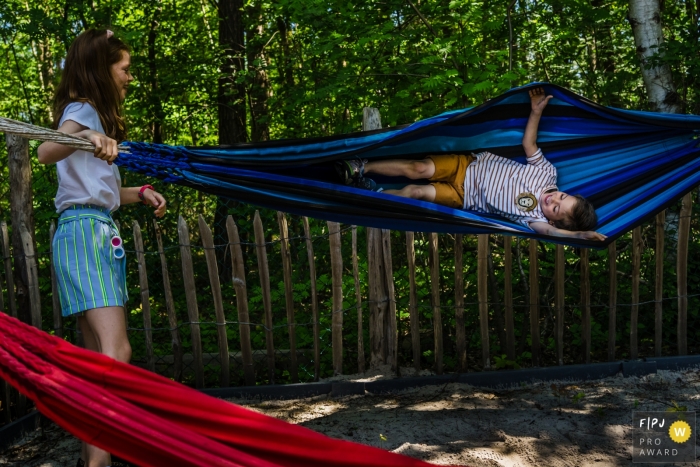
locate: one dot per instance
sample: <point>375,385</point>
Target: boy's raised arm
<point>538,101</point>
<point>547,229</point>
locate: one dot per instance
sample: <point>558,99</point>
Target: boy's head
<point>568,212</point>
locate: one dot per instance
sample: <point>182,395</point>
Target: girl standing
<point>90,266</point>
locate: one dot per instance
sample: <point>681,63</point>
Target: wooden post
<point>682,272</point>
<point>392,337</point>
<point>659,285</point>
<point>612,294</point>
<point>634,311</point>
<point>508,296</point>
<point>459,304</point>
<point>358,303</point>
<point>175,342</point>
<point>213,269</point>
<point>482,286</point>
<point>435,295</point>
<point>264,271</point>
<point>314,303</point>
<point>22,213</point>
<point>145,295</point>
<point>239,285</point>
<point>382,347</point>
<point>191,298</point>
<point>534,304</point>
<point>289,295</point>
<point>412,300</point>
<point>32,277</point>
<point>7,257</point>
<point>559,301</point>
<point>585,306</point>
<point>55,301</point>
<point>337,284</point>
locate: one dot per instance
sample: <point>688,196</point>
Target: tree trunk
<point>155,102</point>
<point>259,90</point>
<point>231,106</point>
<point>645,19</point>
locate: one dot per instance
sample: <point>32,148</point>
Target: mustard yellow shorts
<point>448,180</point>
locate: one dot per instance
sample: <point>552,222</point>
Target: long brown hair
<point>87,77</point>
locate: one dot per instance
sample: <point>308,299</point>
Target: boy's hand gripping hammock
<point>629,164</point>
<point>153,421</point>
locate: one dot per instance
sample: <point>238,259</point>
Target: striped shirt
<point>493,184</point>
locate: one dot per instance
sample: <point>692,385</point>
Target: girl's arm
<point>105,147</point>
<point>130,195</point>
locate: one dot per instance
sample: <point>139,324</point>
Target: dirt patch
<point>555,423</point>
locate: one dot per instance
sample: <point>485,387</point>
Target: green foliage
<point>323,61</point>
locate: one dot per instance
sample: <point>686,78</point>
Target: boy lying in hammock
<point>523,193</point>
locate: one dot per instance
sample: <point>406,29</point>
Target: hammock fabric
<point>152,421</point>
<point>629,164</point>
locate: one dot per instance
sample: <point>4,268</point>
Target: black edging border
<point>30,422</point>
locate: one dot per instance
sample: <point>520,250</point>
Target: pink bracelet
<point>144,188</point>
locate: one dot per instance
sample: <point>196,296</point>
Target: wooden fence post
<point>612,296</point>
<point>32,276</point>
<point>682,271</point>
<point>9,276</point>
<point>314,302</point>
<point>659,284</point>
<point>392,336</point>
<point>55,302</point>
<point>559,301</point>
<point>534,304</point>
<point>22,213</point>
<point>412,300</point>
<point>482,286</point>
<point>508,296</point>
<point>358,304</point>
<point>145,295</point>
<point>239,285</point>
<point>337,285</point>
<point>382,348</point>
<point>585,306</point>
<point>213,270</point>
<point>175,342</point>
<point>459,304</point>
<point>435,295</point>
<point>289,295</point>
<point>264,272</point>
<point>634,311</point>
<point>191,297</point>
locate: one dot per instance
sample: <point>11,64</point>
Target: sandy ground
<point>555,423</point>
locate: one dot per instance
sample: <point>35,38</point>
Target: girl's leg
<point>421,192</point>
<point>415,170</point>
<point>105,330</point>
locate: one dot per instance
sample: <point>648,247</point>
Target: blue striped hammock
<point>629,164</point>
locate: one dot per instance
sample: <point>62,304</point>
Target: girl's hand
<point>538,100</point>
<point>105,147</point>
<point>155,199</point>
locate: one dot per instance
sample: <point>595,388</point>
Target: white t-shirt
<point>83,178</point>
<point>497,185</point>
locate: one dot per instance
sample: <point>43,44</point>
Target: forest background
<point>234,71</point>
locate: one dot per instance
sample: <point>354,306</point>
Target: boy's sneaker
<point>364,183</point>
<point>350,170</point>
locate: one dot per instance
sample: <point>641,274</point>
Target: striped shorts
<point>87,273</point>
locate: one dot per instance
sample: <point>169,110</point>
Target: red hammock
<point>152,421</point>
